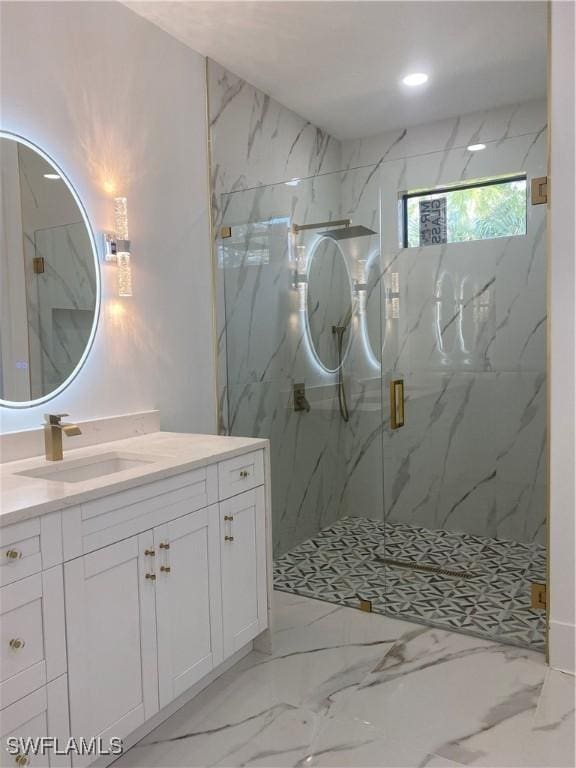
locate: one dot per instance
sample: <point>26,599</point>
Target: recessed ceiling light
<point>475,147</point>
<point>292,183</point>
<point>416,78</point>
<point>51,176</point>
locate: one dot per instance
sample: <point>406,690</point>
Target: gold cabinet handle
<point>228,538</point>
<point>149,552</point>
<point>165,545</point>
<point>244,473</point>
<point>13,554</point>
<point>397,403</point>
<point>228,518</point>
<point>16,643</point>
<point>21,759</point>
<point>151,576</point>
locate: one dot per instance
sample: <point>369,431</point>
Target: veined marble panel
<point>344,688</point>
<point>60,301</point>
<point>458,322</point>
<point>495,125</point>
<point>257,141</point>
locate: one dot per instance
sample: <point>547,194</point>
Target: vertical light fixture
<point>122,247</point>
<point>117,247</point>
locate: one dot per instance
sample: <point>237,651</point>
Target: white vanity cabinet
<point>111,633</point>
<point>119,607</point>
<point>157,587</point>
<point>244,589</point>
<point>188,601</point>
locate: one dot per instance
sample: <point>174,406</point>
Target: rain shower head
<point>344,229</point>
<point>347,232</point>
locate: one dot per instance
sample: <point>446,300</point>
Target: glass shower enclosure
<point>403,392</point>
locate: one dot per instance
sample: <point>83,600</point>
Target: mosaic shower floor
<point>342,565</point>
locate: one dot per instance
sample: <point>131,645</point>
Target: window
<point>479,210</point>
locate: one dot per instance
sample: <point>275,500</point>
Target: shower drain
<point>412,565</point>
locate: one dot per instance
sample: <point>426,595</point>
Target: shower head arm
<point>320,225</point>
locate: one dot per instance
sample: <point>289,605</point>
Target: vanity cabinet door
<point>111,633</point>
<point>188,601</point>
<point>243,553</point>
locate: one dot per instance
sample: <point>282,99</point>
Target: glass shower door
<point>464,476</point>
<point>300,339</point>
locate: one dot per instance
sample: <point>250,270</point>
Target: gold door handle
<point>228,538</point>
<point>13,554</point>
<point>397,403</point>
<point>16,643</point>
<point>151,576</point>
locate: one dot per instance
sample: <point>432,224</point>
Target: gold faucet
<point>53,429</point>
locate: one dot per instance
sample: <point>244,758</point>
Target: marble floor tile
<point>287,736</point>
<point>329,650</point>
<point>346,688</point>
<point>439,690</point>
<point>539,737</point>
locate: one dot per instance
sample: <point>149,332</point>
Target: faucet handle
<point>54,418</point>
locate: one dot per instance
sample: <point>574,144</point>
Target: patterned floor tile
<point>343,564</point>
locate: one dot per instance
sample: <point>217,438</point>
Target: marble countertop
<point>167,454</point>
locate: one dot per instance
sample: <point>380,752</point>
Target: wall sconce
<point>117,247</point>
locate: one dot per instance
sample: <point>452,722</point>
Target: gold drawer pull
<point>151,576</point>
<point>228,538</point>
<point>228,518</point>
<point>149,552</point>
<point>13,554</point>
<point>21,759</point>
<point>165,568</point>
<point>16,643</point>
<point>244,473</point>
<point>164,545</point>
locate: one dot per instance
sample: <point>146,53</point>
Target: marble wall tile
<point>465,316</point>
<point>463,324</point>
<point>266,274</point>
<point>60,303</point>
<point>495,125</point>
<point>257,141</point>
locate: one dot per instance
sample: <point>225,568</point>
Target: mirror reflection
<point>329,303</point>
<point>49,280</point>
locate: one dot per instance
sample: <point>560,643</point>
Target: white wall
<point>562,338</point>
<point>114,99</point>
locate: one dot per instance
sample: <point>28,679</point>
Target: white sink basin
<point>79,470</point>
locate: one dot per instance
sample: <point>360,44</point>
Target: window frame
<point>458,186</point>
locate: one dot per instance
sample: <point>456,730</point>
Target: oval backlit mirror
<point>49,273</point>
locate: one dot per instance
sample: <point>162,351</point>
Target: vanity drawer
<point>42,713</point>
<point>240,474</point>
<point>109,519</point>
<point>30,547</point>
<point>32,639</point>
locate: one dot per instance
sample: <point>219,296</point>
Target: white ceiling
<point>339,64</point>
